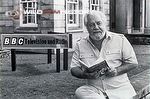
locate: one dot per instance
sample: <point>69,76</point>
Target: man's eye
<point>91,24</point>
<point>99,23</point>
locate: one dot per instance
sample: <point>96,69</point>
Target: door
<point>138,15</point>
<point>147,21</point>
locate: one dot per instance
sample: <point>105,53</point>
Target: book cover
<point>98,66</point>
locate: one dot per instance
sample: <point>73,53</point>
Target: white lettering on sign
<point>6,41</point>
<point>33,12</point>
<point>14,41</point>
<point>21,41</point>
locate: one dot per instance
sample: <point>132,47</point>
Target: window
<point>74,15</point>
<point>72,12</point>
<point>95,5</point>
<point>28,14</point>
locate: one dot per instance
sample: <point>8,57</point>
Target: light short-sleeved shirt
<point>116,50</point>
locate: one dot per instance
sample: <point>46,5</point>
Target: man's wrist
<point>85,75</point>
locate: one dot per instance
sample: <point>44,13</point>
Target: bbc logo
<point>13,41</point>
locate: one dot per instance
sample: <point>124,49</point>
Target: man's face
<point>95,27</point>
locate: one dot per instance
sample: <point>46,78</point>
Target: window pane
<point>29,4</point>
<point>31,19</point>
<point>93,1</point>
<point>70,6</point>
<point>33,5</point>
<point>24,19</point>
<point>74,18</point>
<point>80,5</point>
<point>74,7</point>
<point>71,17</point>
<point>24,6</point>
<point>92,7</point>
<point>96,1</point>
<point>95,7</point>
<point>68,18</point>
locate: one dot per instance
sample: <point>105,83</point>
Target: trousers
<point>89,92</point>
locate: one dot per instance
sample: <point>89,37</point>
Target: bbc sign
<point>36,41</point>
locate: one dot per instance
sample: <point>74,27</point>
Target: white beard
<point>97,36</point>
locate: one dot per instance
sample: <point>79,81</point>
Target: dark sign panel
<point>35,41</point>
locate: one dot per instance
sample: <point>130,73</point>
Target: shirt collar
<point>108,35</point>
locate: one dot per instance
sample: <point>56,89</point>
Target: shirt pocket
<point>113,54</point>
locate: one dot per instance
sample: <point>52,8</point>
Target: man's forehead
<point>94,18</point>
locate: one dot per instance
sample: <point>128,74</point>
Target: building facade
<point>47,16</point>
<point>130,16</point>
<point>66,16</point>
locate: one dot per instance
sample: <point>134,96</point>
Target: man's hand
<point>79,73</point>
<point>94,75</point>
<point>111,73</point>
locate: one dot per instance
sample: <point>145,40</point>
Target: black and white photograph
<point>74,49</point>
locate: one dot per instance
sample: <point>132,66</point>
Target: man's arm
<point>128,58</point>
<point>126,67</point>
<point>121,69</point>
<point>80,73</point>
<point>77,72</point>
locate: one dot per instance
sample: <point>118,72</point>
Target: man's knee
<point>79,93</point>
<point>85,92</point>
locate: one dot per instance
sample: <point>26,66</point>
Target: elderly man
<point>102,45</point>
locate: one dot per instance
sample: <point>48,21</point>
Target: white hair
<point>98,14</point>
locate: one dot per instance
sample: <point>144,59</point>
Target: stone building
<point>62,16</point>
<point>66,16</point>
<point>130,16</point>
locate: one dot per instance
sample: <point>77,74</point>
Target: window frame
<point>33,7</point>
<point>76,12</point>
<point>97,4</point>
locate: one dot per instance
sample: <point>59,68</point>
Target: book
<point>98,66</point>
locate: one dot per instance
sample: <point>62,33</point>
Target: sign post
<point>39,41</point>
<point>49,56</point>
<point>58,60</point>
<point>13,59</point>
<point>65,59</point>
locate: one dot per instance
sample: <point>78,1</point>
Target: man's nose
<point>96,26</point>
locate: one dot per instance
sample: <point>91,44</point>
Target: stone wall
<point>6,23</point>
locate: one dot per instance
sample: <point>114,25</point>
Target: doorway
<point>138,16</point>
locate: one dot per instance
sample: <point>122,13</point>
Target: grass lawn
<point>35,79</point>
